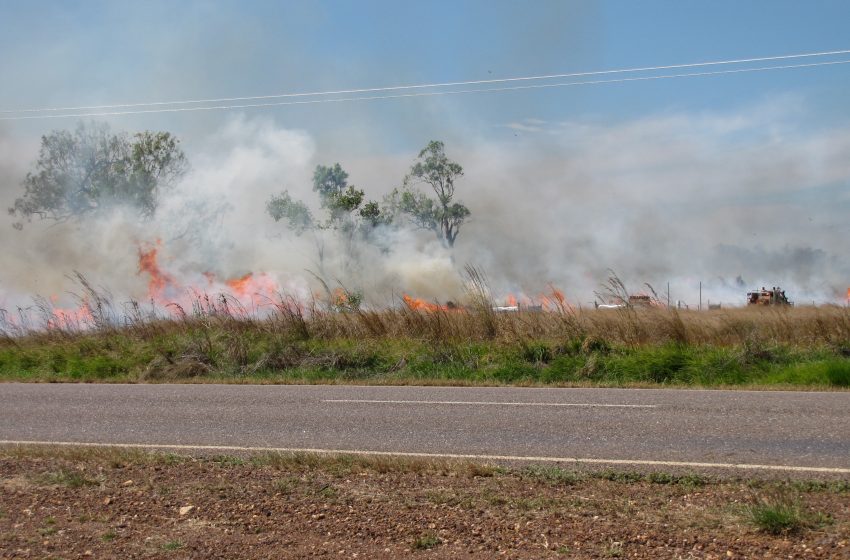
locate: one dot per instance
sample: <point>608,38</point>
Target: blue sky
<point>72,52</point>
<point>669,180</point>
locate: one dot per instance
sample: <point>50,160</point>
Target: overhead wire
<point>432,85</point>
<point>423,94</point>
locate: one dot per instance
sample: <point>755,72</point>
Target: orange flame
<point>339,298</point>
<point>70,318</point>
<point>558,295</point>
<point>254,285</point>
<point>510,301</point>
<point>159,281</point>
<point>417,304</point>
<point>240,286</point>
<point>164,289</point>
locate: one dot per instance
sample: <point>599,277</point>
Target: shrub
<point>838,373</point>
<point>593,344</point>
<point>536,352</point>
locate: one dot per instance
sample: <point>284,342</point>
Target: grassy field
<point>807,347</point>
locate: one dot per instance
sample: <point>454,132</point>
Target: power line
<point>422,94</point>
<point>428,86</point>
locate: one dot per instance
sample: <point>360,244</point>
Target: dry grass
<point>218,338</point>
<point>802,326</point>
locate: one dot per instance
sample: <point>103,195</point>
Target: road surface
<point>788,432</point>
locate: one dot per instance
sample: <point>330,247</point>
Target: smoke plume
<point>731,201</point>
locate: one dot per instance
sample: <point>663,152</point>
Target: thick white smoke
<point>679,198</point>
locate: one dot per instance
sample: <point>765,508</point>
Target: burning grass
<point>219,340</point>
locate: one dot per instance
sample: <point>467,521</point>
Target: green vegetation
<point>780,514</point>
<point>109,536</point>
<point>66,477</point>
<point>426,541</point>
<point>92,168</point>
<point>804,347</point>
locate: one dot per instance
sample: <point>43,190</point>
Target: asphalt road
<point>802,432</point>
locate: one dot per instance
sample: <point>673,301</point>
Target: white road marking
<point>576,460</point>
<point>493,403</point>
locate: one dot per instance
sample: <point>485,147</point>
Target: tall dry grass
<point>796,326</point>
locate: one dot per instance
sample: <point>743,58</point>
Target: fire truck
<point>773,296</point>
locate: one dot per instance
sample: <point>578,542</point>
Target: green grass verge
<point>261,356</point>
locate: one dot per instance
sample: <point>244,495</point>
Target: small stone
<point>87,553</point>
<point>127,483</point>
<point>186,509</point>
<point>107,501</point>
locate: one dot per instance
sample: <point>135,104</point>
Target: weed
<point>286,485</point>
<point>779,514</point>
<point>327,492</point>
<point>692,480</point>
<point>65,477</point>
<point>494,499</point>
<point>109,536</point>
<point>228,460</point>
<point>172,545</point>
<point>536,352</point>
<point>484,471</point>
<point>531,504</point>
<point>441,497</point>
<point>426,542</point>
<point>624,477</point>
<point>838,373</point>
<point>594,344</point>
<point>614,550</point>
<point>50,528</point>
<point>552,475</point>
<point>661,478</point>
<point>172,458</point>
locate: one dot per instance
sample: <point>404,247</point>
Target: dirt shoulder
<point>99,503</point>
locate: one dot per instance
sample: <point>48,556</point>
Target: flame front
<point>164,289</point>
<point>65,318</point>
<point>253,285</point>
<point>417,304</point>
<point>158,281</point>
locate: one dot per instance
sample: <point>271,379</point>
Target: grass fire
<point>249,330</point>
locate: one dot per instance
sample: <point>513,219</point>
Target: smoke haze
<point>682,198</point>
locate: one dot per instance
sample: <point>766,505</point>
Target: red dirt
<point>114,504</point>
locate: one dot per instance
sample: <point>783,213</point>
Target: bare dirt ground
<point>108,503</point>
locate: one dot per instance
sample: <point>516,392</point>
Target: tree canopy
<point>92,168</point>
<point>441,215</point>
<point>344,208</point>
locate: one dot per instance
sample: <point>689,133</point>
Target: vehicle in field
<point>773,296</point>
